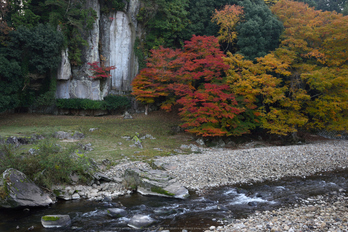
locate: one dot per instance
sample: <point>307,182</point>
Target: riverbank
<point>319,213</point>
<point>219,167</point>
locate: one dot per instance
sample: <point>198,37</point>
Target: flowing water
<point>215,207</point>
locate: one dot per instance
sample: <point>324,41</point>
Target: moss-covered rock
<point>55,221</point>
<point>155,182</point>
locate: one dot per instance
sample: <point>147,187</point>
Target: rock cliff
<point>111,41</point>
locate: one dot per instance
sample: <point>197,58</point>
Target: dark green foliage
<point>311,3</point>
<point>78,104</point>
<point>38,48</point>
<point>165,20</point>
<point>111,102</point>
<point>200,13</point>
<point>114,102</point>
<point>345,9</point>
<point>259,32</point>
<point>37,51</point>
<point>10,83</point>
<point>112,5</point>
<point>139,53</point>
<point>73,19</point>
<point>340,6</point>
<point>50,165</point>
<point>331,5</point>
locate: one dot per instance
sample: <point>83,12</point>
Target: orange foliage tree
<point>227,19</point>
<point>154,81</point>
<point>315,44</point>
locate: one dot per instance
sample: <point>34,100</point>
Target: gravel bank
<point>224,167</point>
<point>218,167</point>
<point>319,213</point>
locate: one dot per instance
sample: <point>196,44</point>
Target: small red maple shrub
<point>100,72</point>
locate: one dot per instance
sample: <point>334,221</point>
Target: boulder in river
<point>116,212</point>
<point>16,190</point>
<point>148,181</point>
<point>55,221</point>
<point>139,221</point>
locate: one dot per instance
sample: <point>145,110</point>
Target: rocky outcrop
<point>16,190</point>
<point>111,41</point>
<point>155,183</point>
<point>95,192</point>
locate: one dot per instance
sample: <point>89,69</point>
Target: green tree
<point>200,13</point>
<point>330,5</point>
<point>74,20</point>
<point>259,33</point>
<point>37,52</point>
<point>10,83</point>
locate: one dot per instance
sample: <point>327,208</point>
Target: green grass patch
<point>106,141</point>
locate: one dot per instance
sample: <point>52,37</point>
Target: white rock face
<point>111,38</point>
<point>64,71</point>
<point>63,89</point>
<point>120,50</point>
<point>93,37</point>
<point>85,89</point>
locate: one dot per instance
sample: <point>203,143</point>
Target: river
<point>214,207</point>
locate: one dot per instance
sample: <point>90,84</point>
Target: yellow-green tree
<point>304,82</point>
<point>227,19</point>
<point>316,45</point>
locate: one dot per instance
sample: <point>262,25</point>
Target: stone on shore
<point>16,190</point>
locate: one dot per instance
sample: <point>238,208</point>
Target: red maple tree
<point>194,80</point>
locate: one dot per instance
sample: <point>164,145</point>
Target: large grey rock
<point>17,191</point>
<point>55,221</point>
<point>155,182</point>
<point>140,221</point>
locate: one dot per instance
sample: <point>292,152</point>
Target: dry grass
<point>107,141</point>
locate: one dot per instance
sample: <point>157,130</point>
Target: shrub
<point>114,102</point>
<point>78,104</point>
<point>111,102</point>
<point>50,165</point>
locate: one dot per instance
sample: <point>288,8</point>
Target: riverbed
<point>226,186</point>
<point>223,208</point>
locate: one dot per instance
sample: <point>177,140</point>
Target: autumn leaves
<point>302,84</point>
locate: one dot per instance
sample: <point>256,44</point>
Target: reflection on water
<point>215,207</point>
